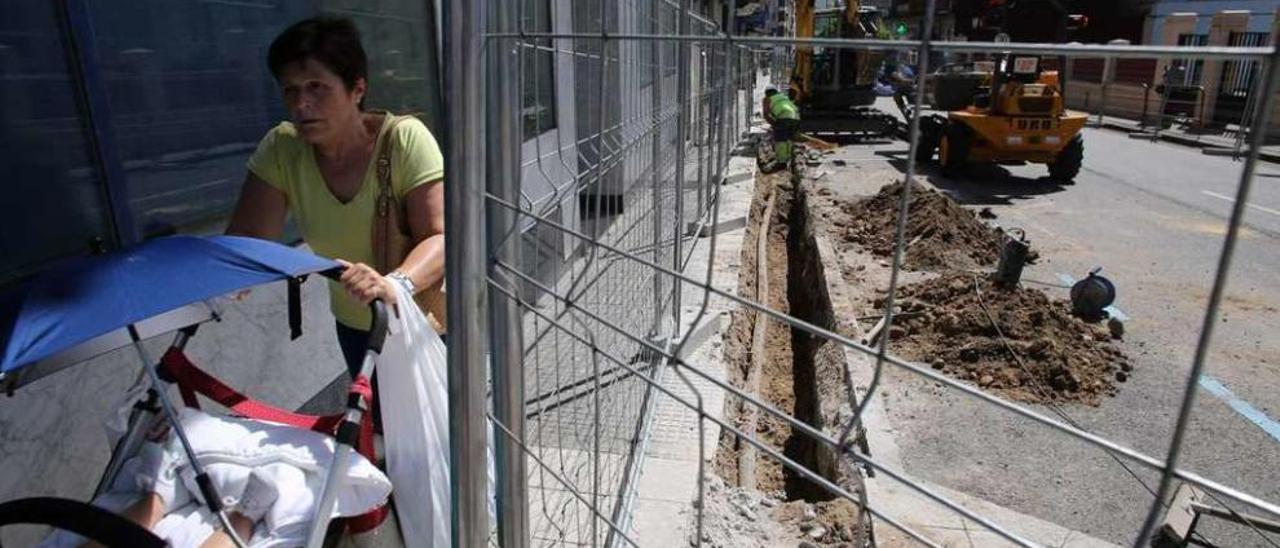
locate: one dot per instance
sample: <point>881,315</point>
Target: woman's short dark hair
<point>331,41</point>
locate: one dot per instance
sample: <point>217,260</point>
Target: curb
<point>1207,148</point>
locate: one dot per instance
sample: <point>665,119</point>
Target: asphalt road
<point>1153,216</point>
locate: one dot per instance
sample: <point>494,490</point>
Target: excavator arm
<point>802,68</point>
<point>802,71</point>
<point>851,8</point>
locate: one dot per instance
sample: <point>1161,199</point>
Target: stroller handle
<point>378,328</point>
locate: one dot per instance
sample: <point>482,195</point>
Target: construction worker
<point>784,118</point>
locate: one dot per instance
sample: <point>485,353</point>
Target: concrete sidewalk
<point>668,484</point>
<point>1208,143</point>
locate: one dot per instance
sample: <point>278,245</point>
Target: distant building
<point>1213,94</point>
<point>1214,23</point>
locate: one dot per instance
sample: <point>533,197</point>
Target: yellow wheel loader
<point>1005,111</point>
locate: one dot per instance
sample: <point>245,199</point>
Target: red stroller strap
<point>192,380</point>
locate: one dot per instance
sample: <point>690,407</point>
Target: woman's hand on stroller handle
<point>366,284</point>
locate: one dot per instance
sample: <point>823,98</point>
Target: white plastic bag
<point>413,391</point>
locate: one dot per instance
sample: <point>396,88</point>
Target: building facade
<point>1211,95</point>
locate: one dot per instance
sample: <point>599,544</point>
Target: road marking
<point>1233,200</point>
<point>1257,417</point>
<point>1113,309</point>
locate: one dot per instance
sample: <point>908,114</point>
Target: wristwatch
<point>404,281</point>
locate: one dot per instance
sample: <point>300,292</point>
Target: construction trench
<point>797,373</point>
<point>1017,342</point>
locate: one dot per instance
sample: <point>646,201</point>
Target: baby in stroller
<point>158,474</point>
<point>268,477</point>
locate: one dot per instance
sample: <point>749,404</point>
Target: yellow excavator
<point>834,87</point>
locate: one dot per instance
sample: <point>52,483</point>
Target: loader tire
<point>953,153</point>
<point>929,140</point>
<point>1066,166</point>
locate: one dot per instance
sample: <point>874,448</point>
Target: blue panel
<point>53,202</point>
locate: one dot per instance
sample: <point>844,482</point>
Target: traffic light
<point>900,29</point>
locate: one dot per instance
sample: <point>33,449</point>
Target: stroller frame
<point>106,527</point>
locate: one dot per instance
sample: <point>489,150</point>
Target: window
<point>537,58</point>
<point>1193,69</point>
<point>1238,77</point>
<point>670,49</point>
<point>191,95</point>
<point>401,54</point>
<point>643,50</point>
<point>54,202</point>
<point>181,88</point>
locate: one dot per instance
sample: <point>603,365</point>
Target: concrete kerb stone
<point>900,501</point>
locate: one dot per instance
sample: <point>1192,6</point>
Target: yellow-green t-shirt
<point>343,230</point>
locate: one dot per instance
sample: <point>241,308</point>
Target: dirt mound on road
<point>941,234</point>
<point>946,325</point>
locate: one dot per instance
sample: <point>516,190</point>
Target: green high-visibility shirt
<point>781,107</point>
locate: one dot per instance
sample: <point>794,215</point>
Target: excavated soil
<point>955,324</point>
<point>941,234</point>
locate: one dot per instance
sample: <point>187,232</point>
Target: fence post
<point>503,239</point>
<point>1146,96</point>
<point>1164,108</point>
<point>465,275</point>
<point>1200,113</point>
<point>749,85</point>
<point>685,104</point>
<point>1102,101</point>
<point>655,163</point>
<point>701,122</point>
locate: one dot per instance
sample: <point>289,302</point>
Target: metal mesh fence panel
<point>610,126</point>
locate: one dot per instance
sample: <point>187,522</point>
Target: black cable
<point>1053,406</point>
<point>1242,519</point>
<point>1058,411</point>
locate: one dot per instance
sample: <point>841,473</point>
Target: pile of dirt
<point>940,233</point>
<point>945,324</point>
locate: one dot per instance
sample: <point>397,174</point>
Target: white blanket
<point>230,446</point>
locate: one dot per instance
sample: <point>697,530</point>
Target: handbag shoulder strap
<point>385,146</point>
<point>387,217</point>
